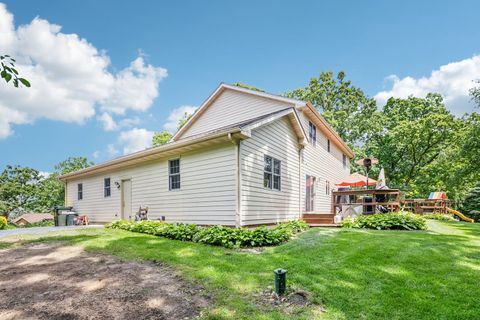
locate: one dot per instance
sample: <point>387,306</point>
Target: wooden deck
<point>318,219</point>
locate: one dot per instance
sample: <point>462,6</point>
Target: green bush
<point>471,203</point>
<point>215,235</point>
<point>438,216</point>
<point>391,221</point>
<point>3,222</point>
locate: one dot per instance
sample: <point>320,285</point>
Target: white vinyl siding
<point>207,194</point>
<point>325,162</point>
<point>260,205</point>
<point>233,107</point>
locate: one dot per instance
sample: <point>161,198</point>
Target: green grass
<point>353,274</point>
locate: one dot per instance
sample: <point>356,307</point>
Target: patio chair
<point>142,214</point>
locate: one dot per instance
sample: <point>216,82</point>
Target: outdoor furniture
<point>82,220</point>
<point>142,214</point>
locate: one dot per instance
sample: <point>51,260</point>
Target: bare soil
<point>54,281</point>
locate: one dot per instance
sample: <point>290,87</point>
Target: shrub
<point>391,221</point>
<point>215,235</point>
<point>438,216</point>
<point>3,222</point>
<point>471,203</point>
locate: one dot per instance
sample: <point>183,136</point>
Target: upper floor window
<point>328,145</point>
<point>107,191</point>
<point>327,187</point>
<point>80,191</point>
<point>344,162</point>
<point>174,174</point>
<point>312,133</point>
<point>272,173</point>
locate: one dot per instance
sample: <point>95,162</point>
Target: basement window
<point>80,191</point>
<point>107,192</point>
<point>272,173</point>
<point>174,174</point>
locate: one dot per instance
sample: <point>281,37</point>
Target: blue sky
<point>274,45</point>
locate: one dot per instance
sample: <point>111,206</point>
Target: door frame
<point>122,206</point>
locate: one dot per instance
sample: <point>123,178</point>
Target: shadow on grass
<point>354,274</point>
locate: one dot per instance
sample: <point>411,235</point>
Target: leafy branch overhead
<point>10,73</point>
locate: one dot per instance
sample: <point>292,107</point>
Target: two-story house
<point>244,158</point>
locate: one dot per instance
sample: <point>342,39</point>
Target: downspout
<point>237,180</point>
<point>65,197</point>
<point>300,176</point>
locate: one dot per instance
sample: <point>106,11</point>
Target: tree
<point>186,116</point>
<point>161,138</point>
<point>471,202</point>
<point>9,71</point>
<point>348,110</point>
<point>416,132</point>
<point>475,93</point>
<point>51,191</point>
<point>19,188</point>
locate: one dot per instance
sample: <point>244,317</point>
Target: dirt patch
<point>290,300</point>
<point>64,282</point>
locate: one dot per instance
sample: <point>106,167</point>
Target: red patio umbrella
<point>356,180</point>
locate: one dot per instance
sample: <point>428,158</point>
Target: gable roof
<point>309,109</point>
<point>34,217</point>
<point>236,131</point>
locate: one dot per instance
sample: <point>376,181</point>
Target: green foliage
<point>247,86</point>
<point>475,93</point>
<point>3,222</point>
<point>186,116</point>
<point>471,203</point>
<point>391,221</point>
<point>9,71</point>
<point>347,108</point>
<point>215,235</point>
<point>161,138</point>
<point>25,189</point>
<point>438,216</point>
<point>415,133</point>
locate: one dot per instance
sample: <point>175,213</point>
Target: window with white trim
<point>312,133</point>
<point>272,173</point>
<point>107,191</point>
<point>80,191</point>
<point>344,162</point>
<point>174,174</point>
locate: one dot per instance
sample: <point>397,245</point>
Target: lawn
<point>353,274</point>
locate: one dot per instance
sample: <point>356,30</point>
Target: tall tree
<point>415,133</point>
<point>475,93</point>
<point>348,110</point>
<point>19,188</point>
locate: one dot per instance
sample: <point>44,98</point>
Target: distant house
<point>244,158</point>
<point>29,218</point>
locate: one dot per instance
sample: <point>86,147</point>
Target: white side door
<point>126,199</point>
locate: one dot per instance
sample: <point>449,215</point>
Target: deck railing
<point>370,200</point>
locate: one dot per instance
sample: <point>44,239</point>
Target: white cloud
<point>96,154</point>
<point>135,140</point>
<point>452,80</point>
<point>112,150</point>
<point>175,115</point>
<point>44,174</point>
<point>109,124</point>
<point>70,77</point>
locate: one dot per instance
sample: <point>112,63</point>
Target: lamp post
<point>367,163</point>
